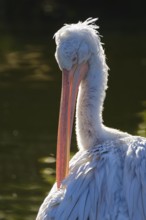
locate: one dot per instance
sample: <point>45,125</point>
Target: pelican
<point>106,179</point>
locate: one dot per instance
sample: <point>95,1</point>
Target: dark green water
<point>30,94</point>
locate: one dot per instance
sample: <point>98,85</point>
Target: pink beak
<point>70,84</point>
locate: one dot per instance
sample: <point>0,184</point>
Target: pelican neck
<point>89,126</point>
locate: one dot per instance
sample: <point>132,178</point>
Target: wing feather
<point>83,205</point>
<point>76,193</point>
<point>108,182</point>
<point>135,179</point>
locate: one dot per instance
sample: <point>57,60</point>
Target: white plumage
<point>107,177</point>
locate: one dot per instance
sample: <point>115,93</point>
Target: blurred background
<point>30,83</point>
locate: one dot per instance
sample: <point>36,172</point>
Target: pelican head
<point>76,43</point>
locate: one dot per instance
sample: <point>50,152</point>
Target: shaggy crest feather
<point>88,24</point>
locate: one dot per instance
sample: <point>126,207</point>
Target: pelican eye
<point>74,59</point>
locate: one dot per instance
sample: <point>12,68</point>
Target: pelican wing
<point>106,182</point>
<point>134,184</point>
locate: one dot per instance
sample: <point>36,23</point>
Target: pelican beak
<point>70,84</point>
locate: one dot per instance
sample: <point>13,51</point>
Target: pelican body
<point>106,179</point>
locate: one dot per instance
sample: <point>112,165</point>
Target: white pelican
<point>106,179</point>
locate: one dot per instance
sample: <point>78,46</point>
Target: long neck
<point>90,102</point>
